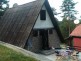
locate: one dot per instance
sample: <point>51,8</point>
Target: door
<point>44,37</point>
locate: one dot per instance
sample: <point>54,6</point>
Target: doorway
<point>44,38</point>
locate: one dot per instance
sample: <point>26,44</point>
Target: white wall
<point>43,24</point>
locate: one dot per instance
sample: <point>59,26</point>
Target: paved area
<point>51,57</point>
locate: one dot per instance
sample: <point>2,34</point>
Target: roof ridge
<point>23,4</point>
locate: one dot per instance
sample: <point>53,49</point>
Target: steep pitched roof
<point>17,23</point>
<point>54,21</point>
<point>77,31</point>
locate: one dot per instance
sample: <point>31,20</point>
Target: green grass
<point>7,54</point>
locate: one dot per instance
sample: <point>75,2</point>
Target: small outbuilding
<point>76,38</point>
<point>31,26</point>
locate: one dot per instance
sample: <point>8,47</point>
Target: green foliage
<point>80,21</point>
<point>7,54</point>
<point>2,8</point>
<point>65,26</point>
<point>68,8</point>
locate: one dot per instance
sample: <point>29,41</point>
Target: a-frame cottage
<point>31,26</point>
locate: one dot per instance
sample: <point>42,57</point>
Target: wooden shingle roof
<point>17,22</point>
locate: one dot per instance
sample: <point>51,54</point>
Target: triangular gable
<point>43,24</point>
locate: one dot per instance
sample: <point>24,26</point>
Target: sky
<point>53,3</point>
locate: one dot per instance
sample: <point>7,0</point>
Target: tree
<point>68,8</point>
<point>80,21</point>
<point>64,27</point>
<point>3,6</point>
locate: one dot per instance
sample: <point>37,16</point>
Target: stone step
<point>48,52</point>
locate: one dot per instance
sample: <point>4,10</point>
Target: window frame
<point>43,15</point>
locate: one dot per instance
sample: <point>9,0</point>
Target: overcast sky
<point>54,3</point>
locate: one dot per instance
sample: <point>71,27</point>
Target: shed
<point>76,37</point>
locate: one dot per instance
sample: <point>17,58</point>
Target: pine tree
<point>68,8</point>
<point>66,27</point>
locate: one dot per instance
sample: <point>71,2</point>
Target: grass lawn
<point>7,54</point>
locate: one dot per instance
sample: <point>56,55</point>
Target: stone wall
<point>36,42</point>
<point>54,40</point>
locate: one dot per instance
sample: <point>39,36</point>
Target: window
<point>40,32</point>
<point>51,31</point>
<point>43,15</point>
<point>35,33</point>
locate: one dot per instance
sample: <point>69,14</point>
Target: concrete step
<point>48,52</point>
